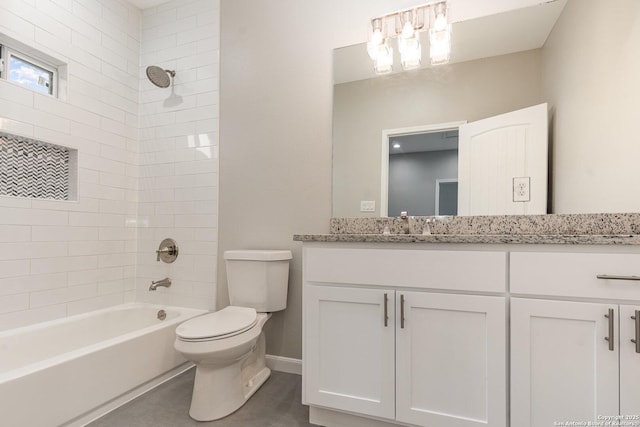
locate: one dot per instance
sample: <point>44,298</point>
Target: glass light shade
<point>383,63</point>
<point>410,52</point>
<point>377,39</point>
<point>440,46</point>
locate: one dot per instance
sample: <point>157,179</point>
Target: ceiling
<point>425,141</point>
<point>145,4</point>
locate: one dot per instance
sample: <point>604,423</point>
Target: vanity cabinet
<point>386,336</point>
<point>574,360</point>
<point>349,350</point>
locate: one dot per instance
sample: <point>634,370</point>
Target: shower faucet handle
<point>167,251</point>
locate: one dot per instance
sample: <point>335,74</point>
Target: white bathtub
<point>67,371</point>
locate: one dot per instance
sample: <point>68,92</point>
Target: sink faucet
<point>166,282</point>
<point>405,222</point>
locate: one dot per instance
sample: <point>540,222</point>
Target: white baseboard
<point>284,364</point>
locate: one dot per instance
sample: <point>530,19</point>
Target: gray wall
<point>412,180</point>
<point>275,139</point>
<point>465,91</point>
<point>590,71</point>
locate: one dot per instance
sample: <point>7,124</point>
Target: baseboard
<point>284,364</point>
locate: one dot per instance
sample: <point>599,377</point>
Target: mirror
<point>577,55</point>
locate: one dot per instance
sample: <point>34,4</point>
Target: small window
<point>27,71</point>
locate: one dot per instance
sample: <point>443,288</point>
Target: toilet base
<point>221,390</point>
<point>227,399</point>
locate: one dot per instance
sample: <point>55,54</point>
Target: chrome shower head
<point>160,77</point>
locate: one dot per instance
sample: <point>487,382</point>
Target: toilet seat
<point>221,324</point>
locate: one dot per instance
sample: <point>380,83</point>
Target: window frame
<point>7,52</point>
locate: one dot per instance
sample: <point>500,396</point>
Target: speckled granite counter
<point>573,229</point>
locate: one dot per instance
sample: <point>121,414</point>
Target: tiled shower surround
<point>147,158</point>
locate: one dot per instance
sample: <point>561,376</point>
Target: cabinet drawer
<point>449,270</point>
<point>574,274</point>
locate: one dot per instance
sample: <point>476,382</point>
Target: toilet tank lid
<point>258,255</point>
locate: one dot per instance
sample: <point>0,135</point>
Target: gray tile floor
<point>275,404</point>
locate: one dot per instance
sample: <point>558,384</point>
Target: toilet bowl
<point>226,374</point>
<point>228,346</point>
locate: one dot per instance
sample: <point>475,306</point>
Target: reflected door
<point>502,164</point>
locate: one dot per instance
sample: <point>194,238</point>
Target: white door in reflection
<point>502,164</point>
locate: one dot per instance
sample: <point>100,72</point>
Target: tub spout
<point>166,282</point>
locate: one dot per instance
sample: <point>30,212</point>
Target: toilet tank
<point>258,278</point>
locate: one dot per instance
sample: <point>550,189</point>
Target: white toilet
<point>228,346</point>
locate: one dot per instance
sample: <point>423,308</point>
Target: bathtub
<point>69,371</point>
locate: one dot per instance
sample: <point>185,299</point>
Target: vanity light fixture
<point>407,25</point>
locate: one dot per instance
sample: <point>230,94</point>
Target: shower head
<point>160,77</point>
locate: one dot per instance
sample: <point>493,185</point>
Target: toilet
<point>228,346</point>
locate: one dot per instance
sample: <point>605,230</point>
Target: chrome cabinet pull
<point>401,311</point>
<point>614,277</point>
<point>386,310</point>
<point>636,340</point>
<point>611,331</point>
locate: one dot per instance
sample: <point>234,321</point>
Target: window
<point>27,71</point>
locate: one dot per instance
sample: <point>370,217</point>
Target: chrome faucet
<point>166,282</point>
<point>406,226</point>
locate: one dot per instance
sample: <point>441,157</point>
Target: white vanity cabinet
<point>349,350</point>
<point>572,358</point>
<point>408,337</point>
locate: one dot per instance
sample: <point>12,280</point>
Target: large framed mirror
<point>579,56</point>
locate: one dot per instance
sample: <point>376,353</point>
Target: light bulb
<point>407,30</point>
<point>440,23</point>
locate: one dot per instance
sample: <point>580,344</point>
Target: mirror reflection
<point>576,55</point>
<point>423,173</point>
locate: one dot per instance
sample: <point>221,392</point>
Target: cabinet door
<point>348,360</point>
<point>561,366</point>
<point>451,360</point>
<point>629,362</point>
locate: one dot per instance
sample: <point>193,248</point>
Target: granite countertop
<point>561,239</point>
<point>565,229</point>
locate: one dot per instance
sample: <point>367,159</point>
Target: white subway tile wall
<point>178,187</point>
<point>147,158</point>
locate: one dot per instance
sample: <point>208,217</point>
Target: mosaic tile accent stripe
<point>34,169</point>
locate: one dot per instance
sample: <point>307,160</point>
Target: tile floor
<point>275,404</point>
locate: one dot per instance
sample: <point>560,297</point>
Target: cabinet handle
<point>636,341</point>
<point>386,310</point>
<point>401,311</point>
<point>611,331</point>
<point>614,277</point>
